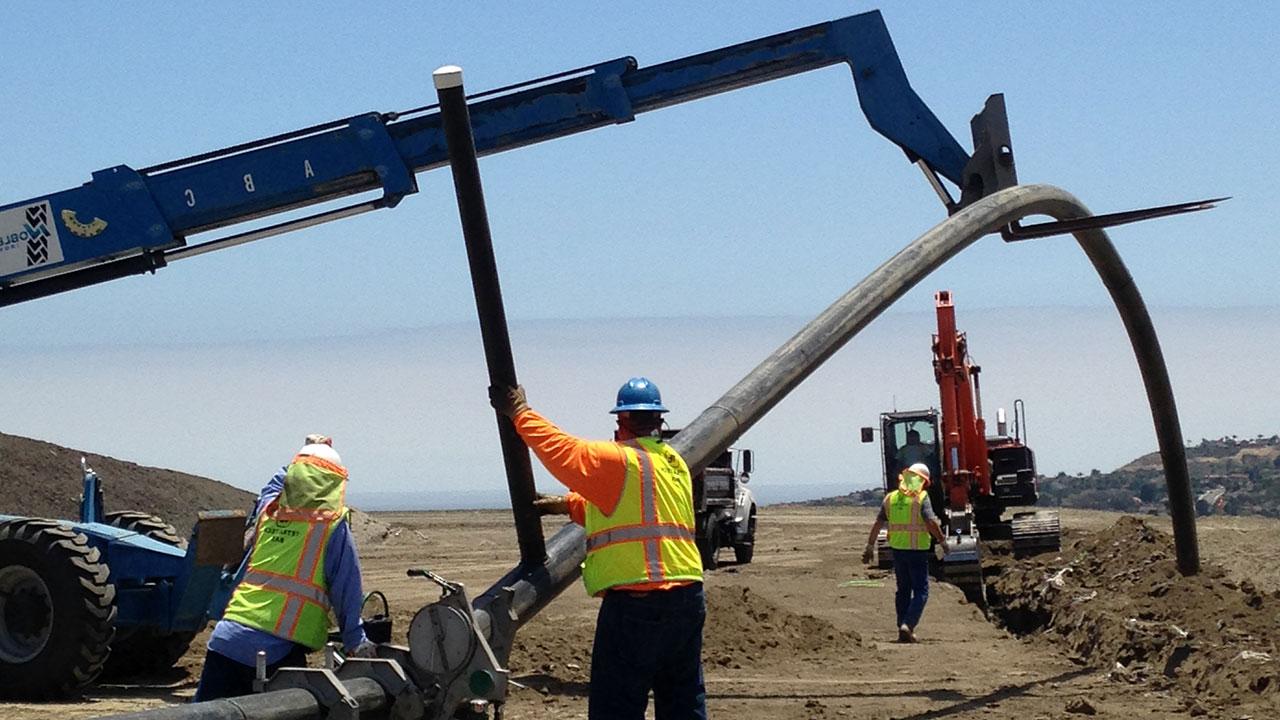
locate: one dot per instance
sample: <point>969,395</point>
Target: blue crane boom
<point>126,221</point>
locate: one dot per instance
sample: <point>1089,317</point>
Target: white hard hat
<point>322,451</point>
<point>920,469</point>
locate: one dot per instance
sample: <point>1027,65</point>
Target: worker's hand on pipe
<point>552,504</point>
<point>868,554</point>
<point>508,401</point>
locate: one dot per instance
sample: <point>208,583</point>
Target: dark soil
<point>1116,601</point>
<point>40,479</point>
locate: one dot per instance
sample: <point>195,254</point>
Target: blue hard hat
<point>639,394</point>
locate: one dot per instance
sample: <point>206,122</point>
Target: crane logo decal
<point>80,229</point>
<point>28,238</point>
<point>37,234</point>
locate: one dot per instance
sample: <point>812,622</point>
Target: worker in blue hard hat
<point>634,496</point>
<point>912,523</point>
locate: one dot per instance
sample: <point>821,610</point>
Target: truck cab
<point>724,507</point>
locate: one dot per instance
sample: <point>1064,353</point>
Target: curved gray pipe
<point>730,416</point>
<point>737,410</point>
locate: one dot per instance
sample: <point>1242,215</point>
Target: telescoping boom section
<point>127,221</point>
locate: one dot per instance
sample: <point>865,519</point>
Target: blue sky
<point>766,202</point>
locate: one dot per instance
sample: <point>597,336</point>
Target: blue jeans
<point>649,641</point>
<point>911,568</point>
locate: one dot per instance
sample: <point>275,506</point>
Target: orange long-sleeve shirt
<point>593,470</point>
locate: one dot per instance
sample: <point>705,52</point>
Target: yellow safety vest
<point>649,537</point>
<point>907,530</point>
<point>284,591</point>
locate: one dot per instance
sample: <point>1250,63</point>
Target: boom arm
<point>964,445</point>
<point>125,221</point>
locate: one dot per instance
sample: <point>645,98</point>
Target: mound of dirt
<point>743,629</point>
<point>1117,601</point>
<point>41,479</point>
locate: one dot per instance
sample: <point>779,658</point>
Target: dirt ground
<point>787,638</point>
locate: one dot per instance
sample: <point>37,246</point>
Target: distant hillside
<point>1229,475</point>
<point>40,479</point>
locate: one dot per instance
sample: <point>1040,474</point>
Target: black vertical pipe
<point>456,119</point>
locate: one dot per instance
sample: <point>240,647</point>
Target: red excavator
<point>976,477</point>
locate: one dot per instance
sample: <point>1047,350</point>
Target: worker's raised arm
<point>595,469</point>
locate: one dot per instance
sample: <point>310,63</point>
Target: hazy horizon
<point>409,412</point>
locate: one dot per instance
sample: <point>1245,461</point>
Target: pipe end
<point>449,76</point>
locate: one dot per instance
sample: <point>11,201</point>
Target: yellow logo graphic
<point>84,230</point>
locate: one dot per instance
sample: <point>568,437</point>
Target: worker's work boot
<point>904,634</point>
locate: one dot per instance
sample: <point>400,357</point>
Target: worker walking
<point>911,520</point>
<point>634,496</point>
<point>300,565</point>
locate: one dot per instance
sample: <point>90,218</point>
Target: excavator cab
<point>907,438</point>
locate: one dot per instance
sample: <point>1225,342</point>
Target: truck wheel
<point>146,650</point>
<point>57,610</point>
<point>708,544</point>
<point>743,551</point>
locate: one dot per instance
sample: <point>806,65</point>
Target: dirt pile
<point>1116,600</point>
<point>744,628</point>
<point>41,479</point>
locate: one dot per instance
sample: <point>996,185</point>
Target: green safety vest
<point>907,530</point>
<point>649,537</point>
<point>284,591</point>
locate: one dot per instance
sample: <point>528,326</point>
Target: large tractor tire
<point>57,610</point>
<point>146,650</point>
<point>745,550</point>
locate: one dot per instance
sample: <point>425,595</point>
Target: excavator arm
<point>126,221</point>
<point>965,470</point>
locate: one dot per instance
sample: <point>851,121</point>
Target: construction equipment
<point>981,476</point>
<point>724,507</point>
<point>127,221</point>
<point>115,592</point>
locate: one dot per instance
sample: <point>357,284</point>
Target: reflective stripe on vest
<point>649,536</point>
<point>907,529</point>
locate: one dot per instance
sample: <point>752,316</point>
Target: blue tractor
<point>114,594</point>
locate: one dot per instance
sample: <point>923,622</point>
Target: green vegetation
<point>1229,475</point>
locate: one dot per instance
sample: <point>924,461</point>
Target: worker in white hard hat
<point>301,565</point>
<point>912,524</point>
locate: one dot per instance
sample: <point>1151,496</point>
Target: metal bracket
<point>324,685</point>
<point>991,167</point>
<point>407,703</point>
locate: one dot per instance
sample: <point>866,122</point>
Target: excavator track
<point>1037,532</point>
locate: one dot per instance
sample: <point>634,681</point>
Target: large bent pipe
<point>742,406</point>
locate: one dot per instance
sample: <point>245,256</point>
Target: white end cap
<point>449,76</point>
